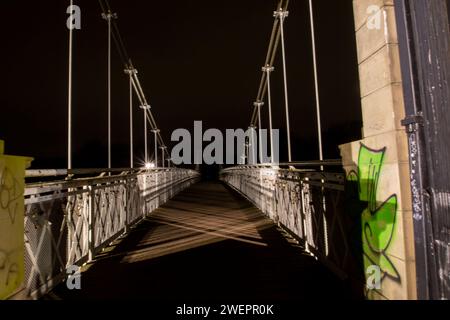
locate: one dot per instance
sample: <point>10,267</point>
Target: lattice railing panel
<point>68,222</point>
<point>307,203</point>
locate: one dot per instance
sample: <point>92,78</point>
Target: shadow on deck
<point>207,244</point>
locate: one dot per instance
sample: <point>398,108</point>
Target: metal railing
<point>69,220</point>
<point>308,203</point>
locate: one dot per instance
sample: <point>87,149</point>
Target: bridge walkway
<point>206,244</point>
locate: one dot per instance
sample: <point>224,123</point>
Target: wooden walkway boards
<point>207,244</point>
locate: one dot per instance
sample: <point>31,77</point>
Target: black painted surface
<point>424,39</point>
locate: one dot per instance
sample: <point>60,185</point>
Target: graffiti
<point>415,188</point>
<point>11,228</point>
<point>10,193</point>
<point>377,218</point>
<point>9,270</point>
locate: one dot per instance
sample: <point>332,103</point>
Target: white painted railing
<point>307,202</point>
<point>68,222</point>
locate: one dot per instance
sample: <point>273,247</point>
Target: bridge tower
<point>383,166</point>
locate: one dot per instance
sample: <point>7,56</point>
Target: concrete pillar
<point>12,186</point>
<point>378,165</point>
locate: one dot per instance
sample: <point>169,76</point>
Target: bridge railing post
<point>91,224</point>
<point>128,207</point>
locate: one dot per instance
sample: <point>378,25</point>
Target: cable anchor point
<point>109,16</point>
<point>268,68</point>
<point>281,14</point>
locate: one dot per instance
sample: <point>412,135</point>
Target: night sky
<point>197,60</point>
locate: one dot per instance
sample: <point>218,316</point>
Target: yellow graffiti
<point>12,185</point>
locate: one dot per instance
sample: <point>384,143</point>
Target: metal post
<point>156,131</point>
<point>145,108</point>
<point>268,69</point>
<point>145,137</point>
<point>259,104</point>
<point>69,99</point>
<point>316,81</point>
<point>91,224</point>
<point>131,123</point>
<point>108,17</point>
<point>109,92</point>
<point>244,154</point>
<point>247,152</point>
<point>128,209</point>
<point>163,150</point>
<point>252,144</point>
<point>319,125</point>
<point>130,73</point>
<point>282,15</point>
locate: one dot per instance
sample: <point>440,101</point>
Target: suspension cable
<point>316,81</point>
<point>270,58</point>
<point>109,16</point>
<point>282,15</point>
<point>120,46</point>
<point>69,99</point>
<point>131,120</point>
<point>267,70</point>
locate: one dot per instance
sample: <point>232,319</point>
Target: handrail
<point>314,163</point>
<point>44,173</point>
<point>308,203</point>
<point>79,217</point>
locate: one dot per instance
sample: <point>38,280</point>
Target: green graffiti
<point>378,218</point>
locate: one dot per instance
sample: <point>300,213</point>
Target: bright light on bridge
<point>149,165</point>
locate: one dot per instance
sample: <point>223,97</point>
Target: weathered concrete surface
<point>379,163</point>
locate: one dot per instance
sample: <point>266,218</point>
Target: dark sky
<point>197,60</point>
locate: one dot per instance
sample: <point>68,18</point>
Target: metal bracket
<point>109,15</point>
<point>268,68</point>
<point>281,14</point>
<point>146,107</point>
<point>413,122</point>
<point>130,71</point>
<point>258,104</point>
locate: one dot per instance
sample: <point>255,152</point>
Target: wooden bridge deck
<point>207,244</point>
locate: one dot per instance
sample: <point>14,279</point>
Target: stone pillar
<point>378,165</point>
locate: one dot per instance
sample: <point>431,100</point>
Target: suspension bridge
<point>349,228</point>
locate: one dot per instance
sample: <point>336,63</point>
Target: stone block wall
<point>378,165</point>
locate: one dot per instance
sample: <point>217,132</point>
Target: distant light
<point>149,165</point>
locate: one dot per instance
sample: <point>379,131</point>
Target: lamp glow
<point>149,165</point>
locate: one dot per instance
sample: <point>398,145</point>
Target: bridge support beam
<point>378,165</point>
